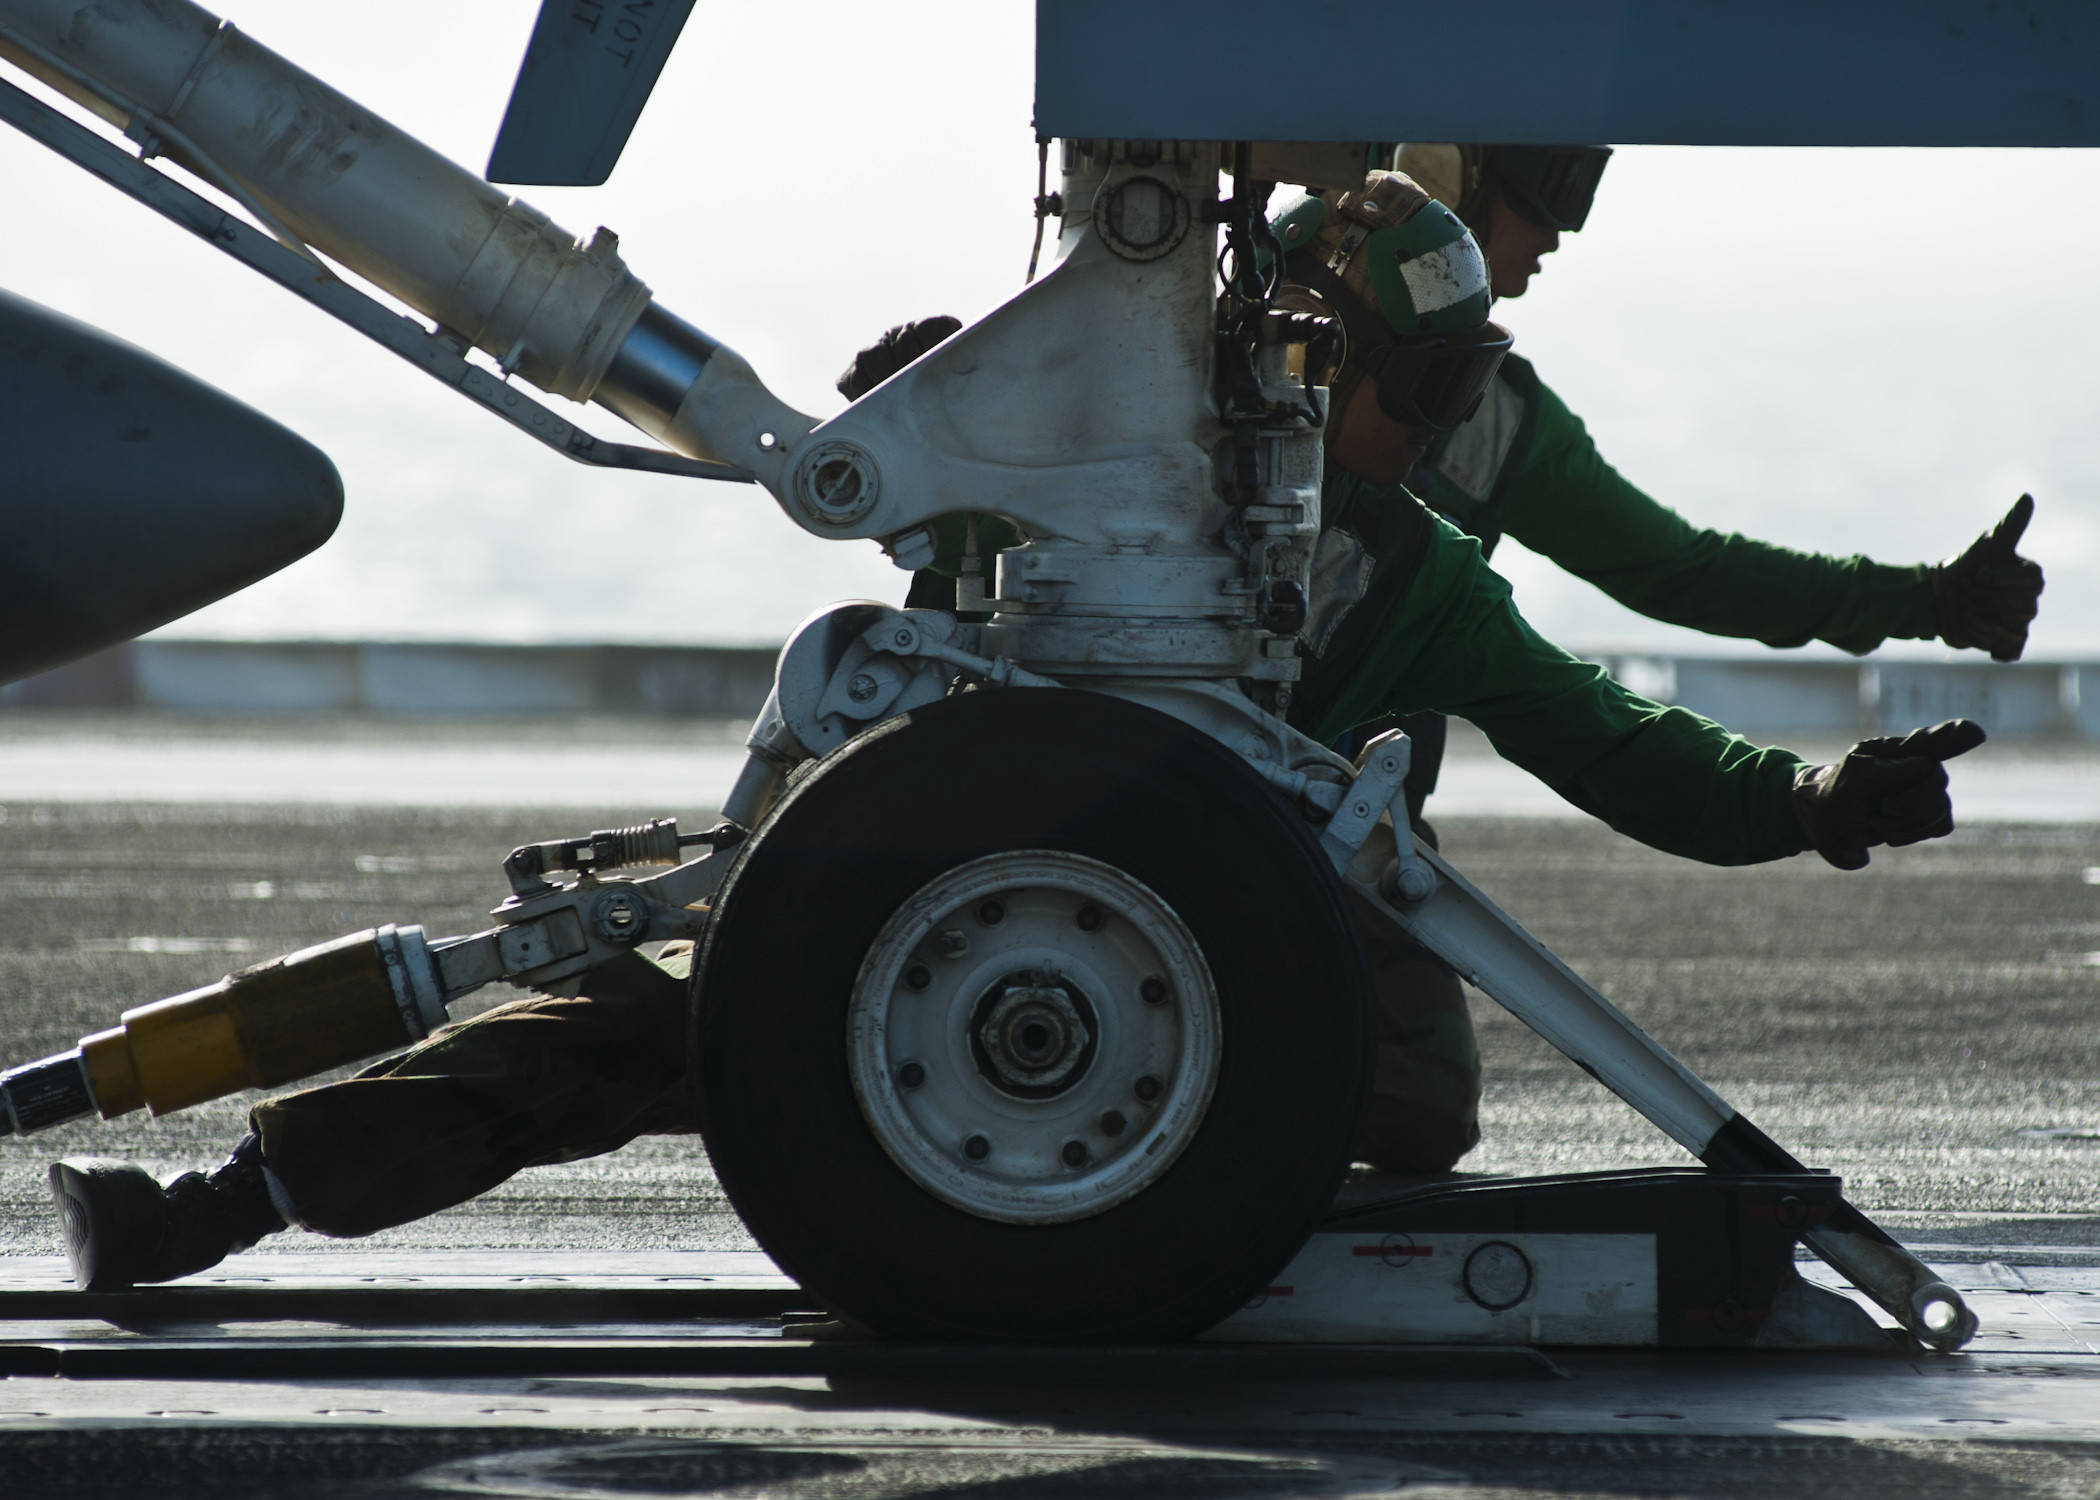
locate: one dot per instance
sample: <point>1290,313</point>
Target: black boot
<point>122,1228</point>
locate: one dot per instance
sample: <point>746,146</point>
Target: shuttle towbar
<point>321,171</point>
<point>377,990</point>
<point>277,1022</point>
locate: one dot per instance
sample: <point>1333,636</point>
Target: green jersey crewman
<point>1524,466</point>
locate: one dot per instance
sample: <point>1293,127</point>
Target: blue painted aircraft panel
<point>587,73</point>
<point>1697,72</point>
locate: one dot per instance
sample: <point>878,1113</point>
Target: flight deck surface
<point>664,1373</point>
<point>1923,1028</point>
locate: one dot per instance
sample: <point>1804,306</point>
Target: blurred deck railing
<point>436,679</point>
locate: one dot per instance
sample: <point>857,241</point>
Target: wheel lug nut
<point>918,976</point>
<point>1075,1153</point>
<point>1148,1088</point>
<point>1089,918</point>
<point>1112,1122</point>
<point>953,943</point>
<point>1154,990</point>
<point>991,913</point>
<point>977,1148</point>
<point>911,1075</point>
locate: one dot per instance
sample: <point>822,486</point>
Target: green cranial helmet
<point>1401,252</point>
<point>1410,289</point>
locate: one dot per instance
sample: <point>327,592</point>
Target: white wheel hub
<point>1034,1037</point>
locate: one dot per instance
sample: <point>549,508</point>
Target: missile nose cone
<point>132,493</point>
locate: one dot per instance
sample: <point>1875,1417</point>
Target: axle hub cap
<point>1034,1037</point>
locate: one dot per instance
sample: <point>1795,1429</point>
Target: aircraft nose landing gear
<point>1033,1014</point>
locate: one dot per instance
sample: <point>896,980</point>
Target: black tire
<point>984,773</point>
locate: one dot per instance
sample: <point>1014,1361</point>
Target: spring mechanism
<point>652,843</point>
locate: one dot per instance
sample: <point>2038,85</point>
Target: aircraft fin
<point>587,73</point>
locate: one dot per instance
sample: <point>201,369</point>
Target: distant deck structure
<point>435,679</point>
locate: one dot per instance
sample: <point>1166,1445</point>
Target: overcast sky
<point>1863,351</point>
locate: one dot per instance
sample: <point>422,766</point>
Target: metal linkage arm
<point>1490,950</point>
<point>549,940</point>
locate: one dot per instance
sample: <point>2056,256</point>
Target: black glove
<point>892,352</point>
<point>1986,596</point>
<point>1885,791</point>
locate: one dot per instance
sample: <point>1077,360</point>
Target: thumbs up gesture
<point>1885,791</point>
<point>1987,596</point>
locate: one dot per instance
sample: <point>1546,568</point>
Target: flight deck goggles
<point>1551,186</point>
<point>1435,382</point>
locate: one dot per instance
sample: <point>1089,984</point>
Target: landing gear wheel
<point>1032,1015</point>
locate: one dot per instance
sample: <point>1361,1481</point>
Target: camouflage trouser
<point>536,1081</point>
<point>1423,1112</point>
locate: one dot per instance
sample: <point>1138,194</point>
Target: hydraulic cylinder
<point>322,171</point>
<point>339,1002</point>
<point>342,179</point>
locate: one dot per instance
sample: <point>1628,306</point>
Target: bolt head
<point>1153,990</point>
<point>953,943</point>
<point>1416,883</point>
<point>860,687</point>
<point>618,918</point>
<point>837,484</point>
<point>1148,1088</point>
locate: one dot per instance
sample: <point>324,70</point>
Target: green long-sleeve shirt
<point>1433,627</point>
<point>1524,466</point>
